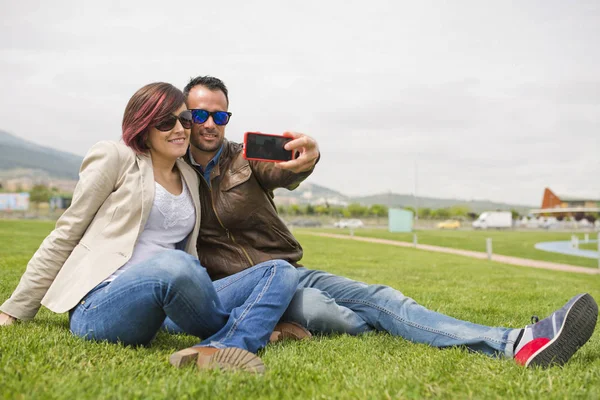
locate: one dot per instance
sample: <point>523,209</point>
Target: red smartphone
<point>266,147</point>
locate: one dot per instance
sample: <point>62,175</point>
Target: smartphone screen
<point>262,146</point>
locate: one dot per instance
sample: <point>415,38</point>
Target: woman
<point>115,258</point>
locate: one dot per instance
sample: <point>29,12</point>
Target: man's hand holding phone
<point>308,152</point>
<point>291,151</point>
<point>266,147</point>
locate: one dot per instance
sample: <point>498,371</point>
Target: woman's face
<point>172,144</point>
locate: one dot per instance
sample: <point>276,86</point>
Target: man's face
<point>207,136</point>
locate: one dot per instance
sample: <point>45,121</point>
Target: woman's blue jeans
<point>173,291</point>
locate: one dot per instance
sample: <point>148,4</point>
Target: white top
<point>170,221</point>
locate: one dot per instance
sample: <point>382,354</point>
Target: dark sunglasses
<point>169,123</point>
<point>200,116</point>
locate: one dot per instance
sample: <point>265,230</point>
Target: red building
<point>567,206</point>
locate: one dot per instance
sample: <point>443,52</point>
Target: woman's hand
<point>6,319</point>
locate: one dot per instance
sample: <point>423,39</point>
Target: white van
<point>494,220</point>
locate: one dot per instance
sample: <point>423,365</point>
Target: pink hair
<point>147,107</point>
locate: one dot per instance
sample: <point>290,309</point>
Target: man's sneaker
<point>553,340</point>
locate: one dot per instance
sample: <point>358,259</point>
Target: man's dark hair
<point>209,82</point>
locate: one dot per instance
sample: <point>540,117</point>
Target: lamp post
<point>415,194</point>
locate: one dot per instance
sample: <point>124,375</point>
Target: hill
<point>403,200</point>
<point>312,193</point>
<point>19,154</point>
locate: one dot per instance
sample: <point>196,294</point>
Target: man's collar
<point>191,156</point>
<point>214,160</point>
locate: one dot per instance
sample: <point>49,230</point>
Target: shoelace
<point>535,319</point>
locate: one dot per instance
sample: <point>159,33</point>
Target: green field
<point>40,359</point>
<point>508,243</point>
<point>588,246</point>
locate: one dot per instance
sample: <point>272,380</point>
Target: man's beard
<point>206,147</point>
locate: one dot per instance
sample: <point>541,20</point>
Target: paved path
<point>565,247</point>
<point>523,262</point>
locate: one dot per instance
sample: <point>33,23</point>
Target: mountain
<point>405,200</point>
<point>19,154</point>
<point>312,193</point>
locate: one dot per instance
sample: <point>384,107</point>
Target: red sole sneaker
<point>576,330</point>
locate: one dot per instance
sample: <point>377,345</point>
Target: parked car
<point>349,223</point>
<point>449,224</point>
<point>305,222</point>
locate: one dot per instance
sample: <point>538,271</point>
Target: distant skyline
<point>492,100</point>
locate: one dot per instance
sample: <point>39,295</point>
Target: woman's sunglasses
<point>200,116</point>
<point>169,123</point>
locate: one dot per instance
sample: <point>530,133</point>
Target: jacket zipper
<point>229,234</point>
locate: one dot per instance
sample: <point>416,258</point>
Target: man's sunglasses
<point>169,123</point>
<point>200,116</point>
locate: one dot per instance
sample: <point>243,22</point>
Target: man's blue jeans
<point>328,303</point>
<point>172,290</point>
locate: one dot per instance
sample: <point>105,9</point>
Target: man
<point>240,228</point>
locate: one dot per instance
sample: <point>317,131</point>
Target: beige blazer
<point>95,236</point>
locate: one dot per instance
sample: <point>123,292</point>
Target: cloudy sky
<point>470,99</point>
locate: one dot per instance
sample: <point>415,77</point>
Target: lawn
<point>508,243</point>
<point>40,359</point>
<point>588,246</point>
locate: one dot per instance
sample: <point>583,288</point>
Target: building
<point>14,201</point>
<point>26,183</point>
<point>567,206</point>
<point>60,202</point>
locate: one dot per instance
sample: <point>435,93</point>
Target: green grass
<point>588,246</point>
<point>509,243</point>
<point>41,359</point>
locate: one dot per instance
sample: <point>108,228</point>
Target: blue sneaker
<point>554,340</point>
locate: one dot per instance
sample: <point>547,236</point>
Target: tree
<point>39,194</point>
<point>310,210</point>
<point>295,210</point>
<point>440,213</point>
<point>378,210</point>
<point>424,213</point>
<point>515,214</point>
<point>321,210</point>
<point>356,210</point>
<point>459,211</point>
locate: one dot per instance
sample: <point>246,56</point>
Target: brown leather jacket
<point>240,226</point>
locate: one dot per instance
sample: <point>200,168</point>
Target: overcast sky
<point>472,99</point>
